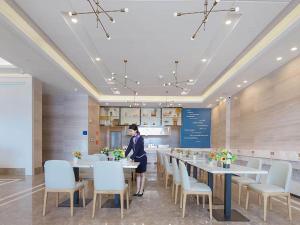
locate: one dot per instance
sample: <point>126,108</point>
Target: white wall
<point>16,122</point>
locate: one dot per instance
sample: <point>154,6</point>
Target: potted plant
<point>105,151</point>
<point>225,157</point>
<point>118,153</point>
<point>76,155</point>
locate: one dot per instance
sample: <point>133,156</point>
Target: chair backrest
<point>185,181</point>
<point>59,174</point>
<point>108,176</point>
<point>280,174</point>
<point>176,174</point>
<point>167,164</point>
<point>256,164</point>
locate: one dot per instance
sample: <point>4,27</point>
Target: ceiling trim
<point>282,26</point>
<point>130,98</point>
<point>34,34</point>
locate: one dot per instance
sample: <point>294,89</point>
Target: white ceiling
<point>151,39</point>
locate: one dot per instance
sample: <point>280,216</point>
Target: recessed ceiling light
<point>74,20</point>
<point>183,93</point>
<point>245,81</point>
<point>138,83</point>
<point>144,104</point>
<point>97,59</point>
<point>203,60</point>
<point>239,85</point>
<point>279,58</point>
<point>160,76</point>
<point>109,79</point>
<point>106,103</point>
<point>179,104</point>
<point>228,22</point>
<point>171,104</point>
<point>116,92</point>
<point>75,89</point>
<point>294,49</point>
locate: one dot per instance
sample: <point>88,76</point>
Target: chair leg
<point>176,193</point>
<point>173,187</point>
<point>100,201</point>
<point>83,197</point>
<point>181,197</point>
<point>122,203</point>
<point>247,200</point>
<point>265,206</point>
<point>57,199</point>
<point>289,206</point>
<point>197,199</point>
<point>94,204</point>
<point>203,201</point>
<point>240,193</point>
<point>45,202</point>
<point>210,205</point>
<point>167,179</point>
<point>270,203</point>
<point>259,199</point>
<point>72,202</point>
<point>127,199</point>
<point>183,205</point>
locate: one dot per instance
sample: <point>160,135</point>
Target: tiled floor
<point>21,203</point>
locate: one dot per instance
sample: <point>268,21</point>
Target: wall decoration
<point>171,116</point>
<point>196,127</point>
<point>150,117</point>
<point>130,116</point>
<point>109,116</point>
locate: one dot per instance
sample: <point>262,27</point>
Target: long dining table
<point>126,164</point>
<point>226,214</point>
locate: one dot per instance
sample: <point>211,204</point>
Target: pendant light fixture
<point>206,12</point>
<point>98,10</point>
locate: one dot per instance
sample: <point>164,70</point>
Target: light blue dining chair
<point>168,170</point>
<point>277,184</point>
<point>87,173</point>
<point>59,177</point>
<point>177,179</point>
<point>109,179</point>
<point>245,180</point>
<point>189,188</point>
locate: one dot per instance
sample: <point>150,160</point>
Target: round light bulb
<point>175,14</point>
<point>126,10</point>
<point>70,13</point>
<point>192,38</point>
<point>237,9</point>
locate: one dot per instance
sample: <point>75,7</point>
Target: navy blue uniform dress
<point>136,144</point>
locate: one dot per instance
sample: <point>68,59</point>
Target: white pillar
<point>228,115</point>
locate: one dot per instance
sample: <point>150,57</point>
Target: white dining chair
<point>189,188</point>
<point>168,170</point>
<point>59,177</point>
<point>162,163</point>
<point>277,184</point>
<point>109,179</point>
<point>177,180</point>
<point>245,180</point>
<point>87,173</point>
<point>102,157</point>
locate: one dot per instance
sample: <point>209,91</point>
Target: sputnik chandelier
<point>176,83</point>
<point>97,10</point>
<point>206,12</point>
<point>124,80</point>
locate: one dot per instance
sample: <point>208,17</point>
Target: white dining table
<point>226,214</point>
<point>126,164</point>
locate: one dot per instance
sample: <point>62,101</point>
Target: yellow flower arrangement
<point>77,154</point>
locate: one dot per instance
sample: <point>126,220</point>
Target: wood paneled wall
<point>65,117</point>
<point>218,126</point>
<point>94,128</point>
<point>266,115</point>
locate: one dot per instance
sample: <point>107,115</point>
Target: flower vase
<point>226,164</point>
<point>219,164</point>
<point>75,160</point>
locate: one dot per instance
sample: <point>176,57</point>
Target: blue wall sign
<point>84,132</point>
<point>195,129</point>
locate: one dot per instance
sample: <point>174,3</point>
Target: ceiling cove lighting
<point>206,12</point>
<point>291,18</point>
<point>97,10</point>
<point>23,23</point>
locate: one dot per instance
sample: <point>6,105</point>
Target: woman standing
<point>136,144</point>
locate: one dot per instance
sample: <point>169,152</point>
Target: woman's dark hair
<point>134,127</point>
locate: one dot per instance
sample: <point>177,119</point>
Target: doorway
<point>115,139</point>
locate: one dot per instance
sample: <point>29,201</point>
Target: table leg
<point>227,196</point>
<point>117,201</point>
<point>188,167</point>
<point>76,193</point>
<point>210,180</point>
<point>195,172</point>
